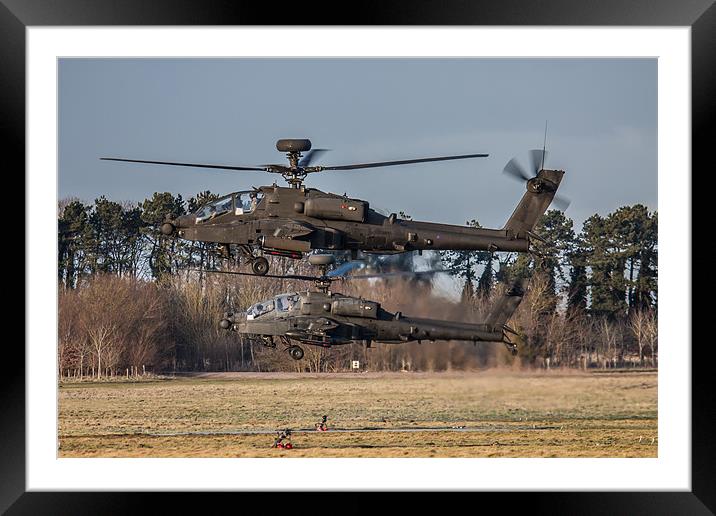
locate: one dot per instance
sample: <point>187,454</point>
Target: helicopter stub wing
<point>322,325</point>
<point>321,330</point>
<point>293,229</point>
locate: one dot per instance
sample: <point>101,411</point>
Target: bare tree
<point>651,327</point>
<point>145,326</point>
<point>611,338</point>
<point>105,301</point>
<point>638,323</point>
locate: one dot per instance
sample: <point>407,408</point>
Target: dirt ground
<point>480,414</point>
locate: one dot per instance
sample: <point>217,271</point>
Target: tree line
<point>130,301</point>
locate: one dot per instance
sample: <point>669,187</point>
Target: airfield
<point>495,413</point>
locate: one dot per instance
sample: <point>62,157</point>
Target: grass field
<point>505,414</point>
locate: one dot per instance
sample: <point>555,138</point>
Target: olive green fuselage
<point>300,220</point>
<point>325,318</point>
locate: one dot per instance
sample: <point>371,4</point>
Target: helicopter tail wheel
<point>260,266</point>
<point>296,352</point>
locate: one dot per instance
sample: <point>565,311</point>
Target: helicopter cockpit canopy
<point>215,208</point>
<point>247,201</point>
<point>240,202</point>
<point>281,303</point>
<point>286,302</point>
<point>259,309</point>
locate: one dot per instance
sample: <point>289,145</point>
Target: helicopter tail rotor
<point>536,177</point>
<point>540,193</point>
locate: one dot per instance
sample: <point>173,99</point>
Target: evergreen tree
<point>514,266</point>
<point>484,284</point>
<point>468,292</point>
<point>600,264</point>
<point>164,252</point>
<point>633,235</point>
<point>462,263</point>
<point>550,259</point>
<point>108,236</point>
<point>132,255</point>
<point>578,281</point>
<point>202,254</point>
<point>558,230</point>
<point>73,241</point>
<point>646,289</point>
<point>620,252</point>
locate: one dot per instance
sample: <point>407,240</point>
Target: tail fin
<point>505,307</point>
<point>539,195</point>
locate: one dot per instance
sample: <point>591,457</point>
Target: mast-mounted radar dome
<point>293,145</point>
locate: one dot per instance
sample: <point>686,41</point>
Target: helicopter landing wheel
<point>260,266</point>
<point>296,352</point>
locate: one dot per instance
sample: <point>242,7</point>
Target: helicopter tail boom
<point>505,307</point>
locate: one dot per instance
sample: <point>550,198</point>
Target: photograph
<point>433,247</point>
<point>357,257</point>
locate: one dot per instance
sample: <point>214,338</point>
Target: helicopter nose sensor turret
<point>226,321</point>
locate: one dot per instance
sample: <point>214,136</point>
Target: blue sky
<point>601,114</point>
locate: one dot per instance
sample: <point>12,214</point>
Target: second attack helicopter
<point>324,318</point>
<point>291,221</point>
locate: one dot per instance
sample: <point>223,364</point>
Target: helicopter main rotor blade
<point>399,162</point>
<point>278,169</point>
<point>268,168</point>
<point>276,276</point>
<point>311,156</point>
<point>391,274</point>
<point>328,278</point>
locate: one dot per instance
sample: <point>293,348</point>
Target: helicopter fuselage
<point>293,221</point>
<point>327,319</point>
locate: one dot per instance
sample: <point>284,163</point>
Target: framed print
<point>91,96</point>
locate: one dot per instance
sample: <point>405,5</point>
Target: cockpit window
<point>246,202</point>
<point>286,302</point>
<point>259,309</point>
<point>214,209</point>
<point>240,202</point>
<point>282,303</point>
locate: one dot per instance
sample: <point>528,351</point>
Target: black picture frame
<point>16,15</point>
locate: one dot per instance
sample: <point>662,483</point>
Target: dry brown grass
<point>587,415</point>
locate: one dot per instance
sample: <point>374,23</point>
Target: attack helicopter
<point>295,220</point>
<point>324,318</point>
